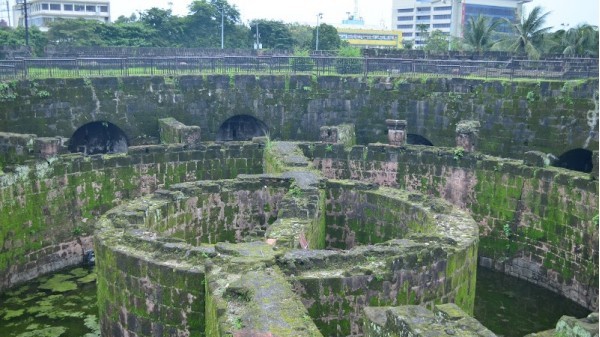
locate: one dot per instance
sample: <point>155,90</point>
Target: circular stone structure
<point>287,254</point>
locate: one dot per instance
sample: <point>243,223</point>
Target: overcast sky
<point>375,12</point>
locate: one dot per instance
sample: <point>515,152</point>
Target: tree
<point>479,33</point>
<point>529,33</point>
<point>437,42</point>
<point>273,34</point>
<point>329,39</point>
<point>203,25</point>
<point>301,35</point>
<point>75,32</point>
<point>16,37</point>
<point>167,27</point>
<point>423,33</point>
<point>578,41</point>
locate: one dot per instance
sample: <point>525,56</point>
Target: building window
<point>45,7</point>
<point>90,8</point>
<point>104,9</point>
<point>423,9</point>
<point>54,7</point>
<point>407,34</point>
<point>79,8</point>
<point>405,10</point>
<point>444,8</point>
<point>423,17</point>
<point>441,25</point>
<point>404,26</point>
<point>405,18</point>
<point>442,17</point>
<point>68,8</point>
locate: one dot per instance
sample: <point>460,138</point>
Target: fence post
<point>366,67</point>
<point>152,66</point>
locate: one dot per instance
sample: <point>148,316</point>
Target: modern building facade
<point>371,38</point>
<point>42,12</point>
<point>413,17</point>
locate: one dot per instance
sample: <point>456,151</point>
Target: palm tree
<point>578,41</point>
<point>479,32</point>
<point>529,33</point>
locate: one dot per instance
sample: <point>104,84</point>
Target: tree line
<point>201,28</point>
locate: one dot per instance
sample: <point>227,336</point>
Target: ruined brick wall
<point>48,209</point>
<point>222,211</point>
<point>549,116</point>
<point>539,224</point>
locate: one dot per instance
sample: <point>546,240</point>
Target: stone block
<point>537,159</point>
<point>396,131</point>
<point>414,320</point>
<point>340,134</point>
<point>573,327</point>
<point>467,134</point>
<point>173,131</point>
<point>46,147</point>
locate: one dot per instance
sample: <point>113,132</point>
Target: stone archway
<point>98,137</point>
<point>576,160</point>
<point>241,127</point>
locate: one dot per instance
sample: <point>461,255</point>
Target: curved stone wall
<point>153,277</point>
<point>539,224</point>
<point>48,208</point>
<point>518,116</point>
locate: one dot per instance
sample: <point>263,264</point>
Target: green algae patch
<point>88,278</point>
<point>79,272</point>
<point>55,331</point>
<point>9,314</point>
<point>59,283</point>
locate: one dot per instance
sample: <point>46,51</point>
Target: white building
<point>448,16</point>
<point>41,12</point>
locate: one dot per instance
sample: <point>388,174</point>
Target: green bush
<point>349,61</point>
<point>301,61</point>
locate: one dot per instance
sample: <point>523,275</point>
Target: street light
<point>24,5</point>
<point>222,10</point>
<point>319,16</point>
<point>257,46</point>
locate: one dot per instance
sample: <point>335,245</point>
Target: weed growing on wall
<point>458,153</point>
<point>7,93</point>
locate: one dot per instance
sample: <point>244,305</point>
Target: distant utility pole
<point>8,12</point>
<point>24,7</point>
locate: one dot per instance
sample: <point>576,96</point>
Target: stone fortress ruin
<point>300,206</point>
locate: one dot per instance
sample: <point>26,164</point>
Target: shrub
<point>349,61</point>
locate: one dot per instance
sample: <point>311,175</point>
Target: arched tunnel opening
<point>414,139</point>
<point>576,160</point>
<point>241,127</point>
<point>97,138</point>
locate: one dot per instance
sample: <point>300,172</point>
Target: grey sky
<point>375,12</point>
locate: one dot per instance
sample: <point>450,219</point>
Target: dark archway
<point>241,127</point>
<point>98,137</point>
<point>414,139</point>
<point>576,160</point>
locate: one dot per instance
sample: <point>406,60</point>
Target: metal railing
<point>318,65</point>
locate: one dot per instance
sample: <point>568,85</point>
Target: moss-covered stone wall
<point>539,224</point>
<point>280,282</point>
<point>48,208</point>
<point>373,218</point>
<point>519,116</point>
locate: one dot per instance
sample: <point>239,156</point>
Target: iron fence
<point>35,68</point>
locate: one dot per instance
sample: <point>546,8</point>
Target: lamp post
<point>319,16</point>
<point>26,15</point>
<point>222,10</point>
<point>257,37</point>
